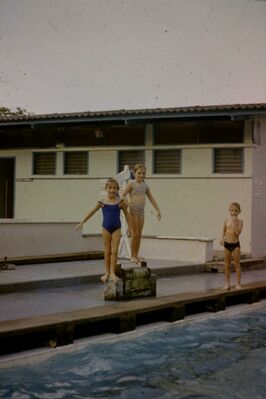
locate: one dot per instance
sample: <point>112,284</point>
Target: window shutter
<point>131,158</point>
<point>44,163</point>
<point>167,161</point>
<point>76,163</point>
<point>228,160</point>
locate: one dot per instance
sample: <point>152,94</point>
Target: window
<point>200,132</point>
<point>44,163</point>
<point>130,158</point>
<point>166,161</point>
<point>175,133</point>
<point>125,135</point>
<point>76,163</point>
<point>221,132</point>
<point>103,135</point>
<point>228,160</point>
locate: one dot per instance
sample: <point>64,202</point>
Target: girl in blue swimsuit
<point>111,226</point>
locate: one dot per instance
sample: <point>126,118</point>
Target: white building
<point>198,160</point>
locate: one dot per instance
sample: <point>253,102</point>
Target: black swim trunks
<point>231,245</point>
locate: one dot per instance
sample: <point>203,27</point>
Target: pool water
<point>219,356</point>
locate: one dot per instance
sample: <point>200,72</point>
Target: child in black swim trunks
<point>111,226</point>
<point>230,240</point>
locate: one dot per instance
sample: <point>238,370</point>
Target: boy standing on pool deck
<point>230,240</point>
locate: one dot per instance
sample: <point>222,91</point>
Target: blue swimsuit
<point>111,216</point>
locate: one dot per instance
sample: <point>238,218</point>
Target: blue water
<point>221,357</point>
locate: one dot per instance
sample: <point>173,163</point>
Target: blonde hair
<point>111,180</point>
<point>139,166</point>
<point>236,205</point>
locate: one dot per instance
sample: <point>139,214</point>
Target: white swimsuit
<point>137,198</point>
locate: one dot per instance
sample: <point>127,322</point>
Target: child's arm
<point>238,226</point>
<point>127,216</point>
<point>88,216</point>
<point>223,234</point>
<point>154,203</point>
<point>126,190</point>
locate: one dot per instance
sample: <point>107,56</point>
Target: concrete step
<point>29,260</point>
<point>31,277</point>
<point>246,264</point>
<point>58,282</point>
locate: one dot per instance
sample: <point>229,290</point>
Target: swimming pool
<point>219,356</point>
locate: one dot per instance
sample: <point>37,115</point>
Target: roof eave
<point>116,116</point>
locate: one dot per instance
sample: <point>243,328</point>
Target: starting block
<point>134,282</point>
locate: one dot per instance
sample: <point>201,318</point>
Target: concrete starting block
<point>134,282</point>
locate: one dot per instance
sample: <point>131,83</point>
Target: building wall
<point>193,204</point>
<point>258,239</point>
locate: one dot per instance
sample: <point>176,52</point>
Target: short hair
<point>111,180</point>
<point>236,205</point>
<point>139,166</point>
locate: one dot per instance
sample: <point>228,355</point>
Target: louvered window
<point>166,161</point>
<point>44,163</point>
<point>131,158</point>
<point>228,160</point>
<point>76,163</point>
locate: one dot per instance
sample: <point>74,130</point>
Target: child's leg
<point>227,265</point>
<point>107,253</point>
<point>140,228</point>
<point>137,226</point>
<point>116,236</point>
<point>134,234</point>
<point>236,256</point>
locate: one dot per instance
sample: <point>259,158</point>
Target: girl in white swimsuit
<point>137,190</point>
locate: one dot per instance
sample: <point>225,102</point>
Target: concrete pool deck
<point>25,277</point>
<point>32,276</point>
<point>60,302</point>
<point>64,328</point>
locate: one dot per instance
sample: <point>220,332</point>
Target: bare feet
<point>137,260</point>
<point>115,278</point>
<point>226,287</point>
<point>104,278</point>
<point>238,287</point>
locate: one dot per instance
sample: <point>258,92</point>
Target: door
<point>7,173</point>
